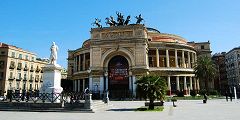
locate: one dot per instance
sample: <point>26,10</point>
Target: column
<point>75,85</point>
<point>79,62</point>
<point>177,83</point>
<point>90,83</point>
<point>106,82</point>
<point>84,61</point>
<point>195,84</point>
<point>101,85</point>
<point>198,86</point>
<point>183,60</point>
<point>130,83</point>
<point>193,60</point>
<point>83,84</point>
<point>167,58</point>
<point>79,90</point>
<point>195,55</point>
<point>189,62</point>
<point>185,85</point>
<point>190,79</point>
<point>75,65</point>
<point>176,59</point>
<point>134,85</point>
<point>157,57</point>
<point>169,85</point>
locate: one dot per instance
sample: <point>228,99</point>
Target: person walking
<point>226,94</point>
<point>205,98</point>
<point>230,95</point>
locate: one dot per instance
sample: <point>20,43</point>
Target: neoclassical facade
<point>115,57</point>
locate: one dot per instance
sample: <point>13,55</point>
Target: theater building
<point>115,57</point>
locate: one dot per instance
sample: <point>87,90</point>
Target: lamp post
<point>106,81</point>
<point>90,79</point>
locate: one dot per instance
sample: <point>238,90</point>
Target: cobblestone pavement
<point>124,110</point>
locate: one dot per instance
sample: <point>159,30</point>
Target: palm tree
<point>151,87</point>
<point>205,70</point>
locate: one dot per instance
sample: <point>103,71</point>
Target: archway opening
<point>118,68</point>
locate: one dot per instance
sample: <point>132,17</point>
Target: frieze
<point>116,35</point>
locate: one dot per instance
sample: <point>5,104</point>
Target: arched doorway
<point>118,77</point>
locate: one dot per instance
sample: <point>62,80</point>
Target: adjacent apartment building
<point>221,81</point>
<point>20,70</point>
<point>233,67</point>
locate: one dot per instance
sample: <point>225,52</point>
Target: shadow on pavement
<point>122,109</point>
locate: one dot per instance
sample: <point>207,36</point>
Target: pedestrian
<point>205,98</point>
<point>226,94</point>
<point>230,95</point>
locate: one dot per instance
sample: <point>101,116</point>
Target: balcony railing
<point>18,79</point>
<point>25,69</point>
<point>31,70</point>
<point>19,68</point>
<point>31,79</point>
<point>11,78</point>
<point>24,79</point>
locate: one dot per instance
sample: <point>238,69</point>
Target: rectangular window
<point>13,54</point>
<point>33,59</point>
<point>3,52</point>
<point>11,75</point>
<point>24,85</point>
<point>1,64</point>
<point>25,76</point>
<point>202,46</point>
<point>19,75</point>
<point>20,56</point>
<point>30,86</point>
<point>1,75</point>
<point>26,57</point>
<point>17,85</point>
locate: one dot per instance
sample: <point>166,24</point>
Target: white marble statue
<point>53,56</point>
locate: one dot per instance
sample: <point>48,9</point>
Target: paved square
<point>123,110</point>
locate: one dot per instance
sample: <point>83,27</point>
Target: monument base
<point>51,88</point>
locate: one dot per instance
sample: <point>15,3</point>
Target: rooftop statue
<point>97,23</point>
<point>120,18</point>
<point>127,20</point>
<point>110,22</point>
<point>53,56</point>
<point>139,19</point>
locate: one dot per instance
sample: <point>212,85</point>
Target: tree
<point>151,87</point>
<point>205,70</point>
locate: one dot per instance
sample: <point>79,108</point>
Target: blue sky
<point>34,24</point>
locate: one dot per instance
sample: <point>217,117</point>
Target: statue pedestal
<point>51,87</point>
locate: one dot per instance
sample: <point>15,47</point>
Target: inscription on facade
<point>116,35</point>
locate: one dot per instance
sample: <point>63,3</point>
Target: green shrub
<point>180,94</point>
<point>213,92</point>
<point>193,93</point>
<point>202,92</point>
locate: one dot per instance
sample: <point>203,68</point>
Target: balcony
<point>11,78</point>
<point>31,70</point>
<point>24,79</point>
<point>25,69</point>
<point>31,79</point>
<point>38,69</point>
<point>19,67</point>
<point>18,79</point>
